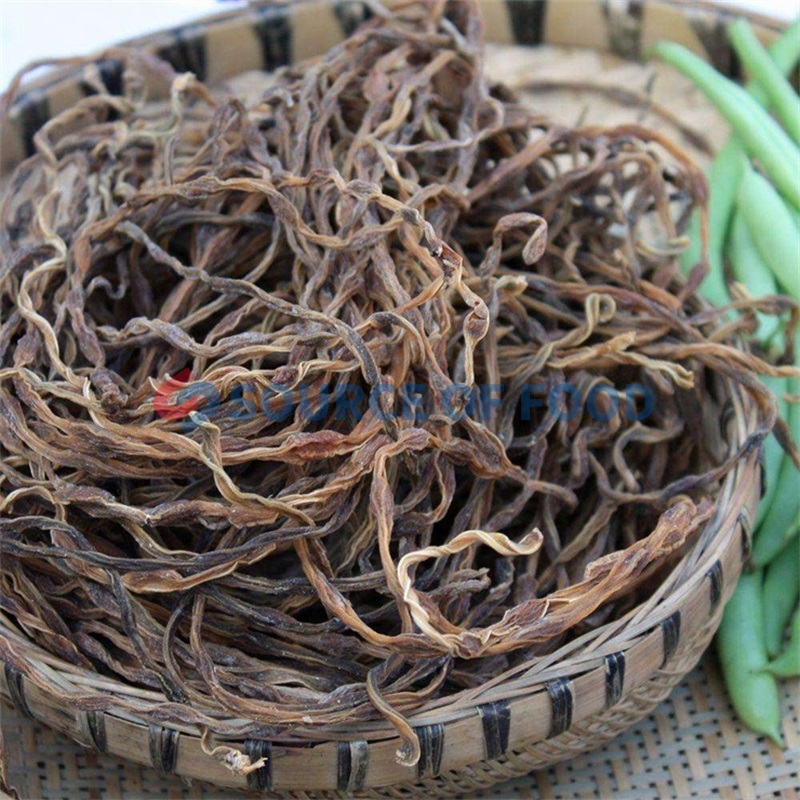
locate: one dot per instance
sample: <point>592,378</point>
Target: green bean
<point>774,456</point>
<point>748,267</point>
<point>780,522</point>
<point>781,593</point>
<point>767,75</point>
<point>724,176</point>
<point>773,229</point>
<point>743,657</point>
<point>785,50</point>
<point>762,137</point>
<point>787,664</point>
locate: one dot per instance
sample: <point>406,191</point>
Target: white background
<point>34,29</point>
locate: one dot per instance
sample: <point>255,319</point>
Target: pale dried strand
<point>461,643</point>
<point>236,761</point>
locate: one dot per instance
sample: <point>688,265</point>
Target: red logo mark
<point>165,391</point>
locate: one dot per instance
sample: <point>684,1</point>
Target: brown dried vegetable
<point>382,215</point>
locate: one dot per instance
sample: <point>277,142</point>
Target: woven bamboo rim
<point>572,700</point>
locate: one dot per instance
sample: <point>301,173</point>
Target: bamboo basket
<point>589,690</point>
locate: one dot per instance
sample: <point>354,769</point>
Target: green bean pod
<point>780,521</point>
<point>781,594</point>
<point>773,455</point>
<point>773,229</point>
<point>748,267</point>
<point>762,137</point>
<point>787,664</point>
<point>766,73</point>
<point>743,657</point>
<point>785,51</point>
<point>724,176</point>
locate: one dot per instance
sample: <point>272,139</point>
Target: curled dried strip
<point>455,640</point>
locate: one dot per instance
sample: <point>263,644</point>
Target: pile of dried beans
<point>383,222</point>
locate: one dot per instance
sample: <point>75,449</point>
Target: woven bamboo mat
<point>692,745</point>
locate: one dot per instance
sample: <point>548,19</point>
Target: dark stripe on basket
<point>624,29</point>
<point>92,729</point>
<point>560,691</point>
<point>352,761</point>
<point>96,728</point>
<point>351,15</point>
<point>111,72</point>
<point>16,689</point>
<point>747,533</point>
<point>671,631</point>
<point>431,746</point>
<point>615,677</point>
<point>34,111</point>
<point>636,9</point>
<point>527,20</point>
<point>187,51</point>
<point>259,780</point>
<point>496,719</point>
<point>163,748</point>
<point>343,766</point>
<point>715,580</point>
<point>712,30</point>
<point>274,32</point>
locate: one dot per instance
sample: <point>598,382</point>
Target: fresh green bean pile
<point>754,226</point>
